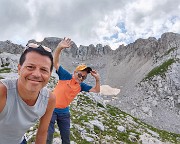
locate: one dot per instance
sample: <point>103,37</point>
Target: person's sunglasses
<point>33,45</point>
<point>81,76</point>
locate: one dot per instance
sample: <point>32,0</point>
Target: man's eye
<point>29,67</point>
<point>45,70</point>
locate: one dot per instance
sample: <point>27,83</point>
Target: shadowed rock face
<point>155,100</point>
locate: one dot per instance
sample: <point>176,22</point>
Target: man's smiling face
<point>34,72</point>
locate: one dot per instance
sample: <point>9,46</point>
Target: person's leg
<point>63,122</point>
<point>51,129</point>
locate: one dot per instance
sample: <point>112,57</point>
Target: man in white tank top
<point>25,100</point>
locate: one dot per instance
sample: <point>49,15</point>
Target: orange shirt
<point>65,91</point>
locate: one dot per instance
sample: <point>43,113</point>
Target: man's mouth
<point>35,80</point>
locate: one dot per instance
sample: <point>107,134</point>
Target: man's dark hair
<point>40,50</point>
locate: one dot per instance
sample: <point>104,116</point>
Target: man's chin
<point>34,88</point>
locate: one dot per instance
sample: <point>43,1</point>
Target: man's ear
<point>19,68</point>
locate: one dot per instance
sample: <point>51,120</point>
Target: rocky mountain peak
<point>8,46</point>
<point>82,53</point>
<point>91,51</point>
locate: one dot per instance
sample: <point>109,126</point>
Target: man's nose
<point>37,72</point>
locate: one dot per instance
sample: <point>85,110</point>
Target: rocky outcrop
<point>150,84</point>
<point>8,60</point>
<point>82,53</point>
<point>91,52</point>
<point>161,86</point>
<point>9,47</point>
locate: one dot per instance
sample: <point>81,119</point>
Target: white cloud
<point>86,22</point>
<point>176,27</point>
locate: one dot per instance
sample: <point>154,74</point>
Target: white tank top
<point>17,117</point>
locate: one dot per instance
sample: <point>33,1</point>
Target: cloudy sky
<point>112,22</point>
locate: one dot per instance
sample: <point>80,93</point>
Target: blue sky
<point>109,22</point>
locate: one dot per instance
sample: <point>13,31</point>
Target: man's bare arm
<point>65,43</point>
<point>41,135</point>
<point>96,88</point>
<point>3,96</point>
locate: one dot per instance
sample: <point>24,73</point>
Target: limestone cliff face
<point>149,80</point>
<point>144,48</point>
<point>161,86</point>
<point>146,71</point>
<point>82,53</point>
<point>92,52</point>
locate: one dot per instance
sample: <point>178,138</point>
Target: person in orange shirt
<point>68,86</point>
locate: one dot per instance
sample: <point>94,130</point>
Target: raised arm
<point>41,135</point>
<point>96,88</point>
<point>65,43</point>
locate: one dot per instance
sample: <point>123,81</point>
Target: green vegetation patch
<point>5,70</point>
<point>100,105</point>
<point>169,51</point>
<point>31,140</point>
<point>159,70</point>
<point>76,136</point>
<point>165,135</point>
<point>1,77</point>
